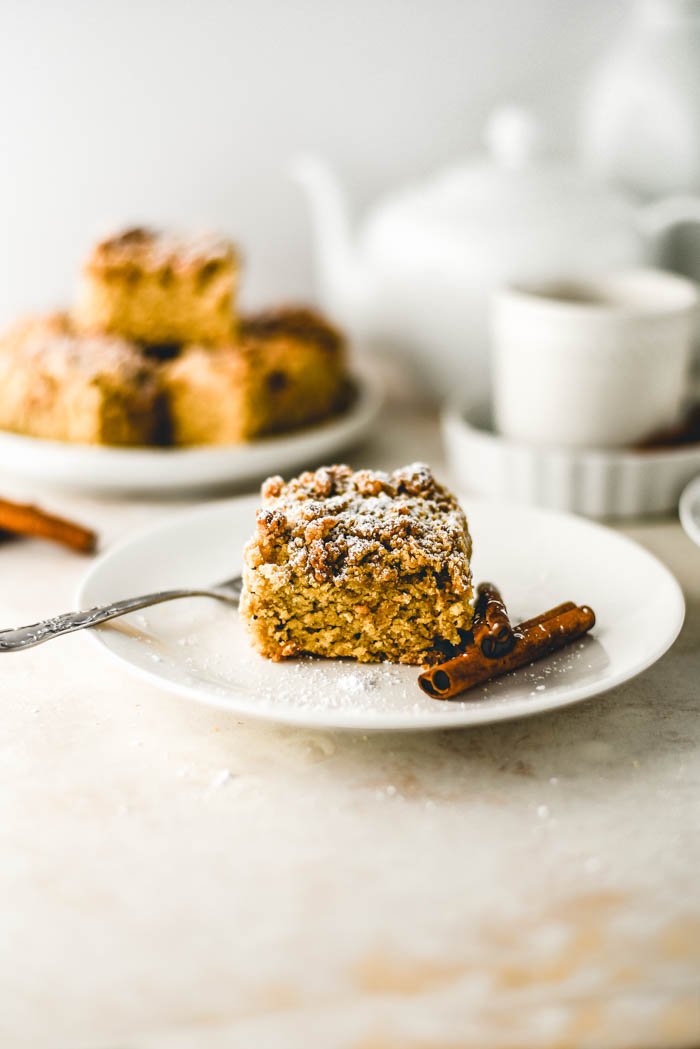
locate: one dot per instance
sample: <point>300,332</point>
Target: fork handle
<point>36,633</point>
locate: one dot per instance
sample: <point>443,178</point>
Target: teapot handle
<point>661,216</point>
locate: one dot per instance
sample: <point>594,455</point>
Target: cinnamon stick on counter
<point>534,639</point>
<point>22,519</point>
<point>491,629</point>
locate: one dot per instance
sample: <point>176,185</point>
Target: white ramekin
<point>597,483</point>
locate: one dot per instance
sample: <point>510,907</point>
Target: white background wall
<point>178,112</point>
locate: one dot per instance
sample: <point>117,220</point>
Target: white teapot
<point>419,274</point>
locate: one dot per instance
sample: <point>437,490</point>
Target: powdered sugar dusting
<point>336,523</point>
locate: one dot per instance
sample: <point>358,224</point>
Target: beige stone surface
<point>174,878</point>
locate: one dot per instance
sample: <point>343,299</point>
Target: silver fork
<point>36,633</point>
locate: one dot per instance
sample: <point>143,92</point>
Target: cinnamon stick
<point>491,629</point>
<point>551,613</point>
<point>23,519</point>
<point>534,639</point>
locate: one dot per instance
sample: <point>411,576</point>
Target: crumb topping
<point>155,251</point>
<point>56,349</point>
<point>336,525</point>
<point>295,322</point>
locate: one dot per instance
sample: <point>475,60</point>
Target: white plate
<point>689,510</point>
<point>94,468</point>
<point>198,647</point>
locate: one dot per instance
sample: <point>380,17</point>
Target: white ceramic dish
<point>594,482</point>
<point>689,510</point>
<point>198,647</point>
<point>149,471</point>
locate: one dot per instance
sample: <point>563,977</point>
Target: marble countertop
<point>175,878</point>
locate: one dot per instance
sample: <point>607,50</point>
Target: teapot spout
<point>334,257</point>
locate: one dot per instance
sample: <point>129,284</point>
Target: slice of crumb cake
<point>368,565</point>
<point>159,289</point>
<point>297,365</point>
<point>62,386</point>
<point>286,369</point>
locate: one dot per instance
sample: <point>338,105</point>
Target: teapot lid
<point>513,192</point>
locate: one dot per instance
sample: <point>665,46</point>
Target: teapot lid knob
<point>513,136</point>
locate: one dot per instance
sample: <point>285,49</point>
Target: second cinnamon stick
<point>534,639</point>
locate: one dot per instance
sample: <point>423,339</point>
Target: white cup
<point>600,362</point>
